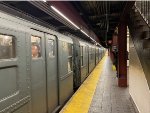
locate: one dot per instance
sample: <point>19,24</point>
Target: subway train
<point>40,68</point>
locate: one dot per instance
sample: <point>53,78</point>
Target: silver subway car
<point>39,67</point>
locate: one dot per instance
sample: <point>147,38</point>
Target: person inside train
<point>35,51</point>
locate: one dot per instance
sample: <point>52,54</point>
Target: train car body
<point>39,67</point>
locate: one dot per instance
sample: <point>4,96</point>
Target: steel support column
<point>122,45</point>
<point>122,54</point>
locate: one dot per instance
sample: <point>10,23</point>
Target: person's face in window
<point>35,51</point>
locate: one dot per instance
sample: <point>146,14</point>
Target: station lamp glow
<point>61,14</point>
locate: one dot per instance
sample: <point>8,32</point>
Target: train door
<point>38,72</point>
<point>52,78</point>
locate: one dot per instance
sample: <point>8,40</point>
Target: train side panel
<point>14,69</point>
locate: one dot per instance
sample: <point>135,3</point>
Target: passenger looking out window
<point>36,47</point>
<point>35,51</point>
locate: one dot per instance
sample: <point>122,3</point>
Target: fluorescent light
<point>44,0</point>
<point>85,33</point>
<point>56,10</point>
<point>88,35</point>
<point>98,44</point>
<point>92,39</point>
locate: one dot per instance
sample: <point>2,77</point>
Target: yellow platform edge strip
<point>81,100</point>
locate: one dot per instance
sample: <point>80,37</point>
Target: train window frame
<point>69,61</point>
<point>71,48</point>
<point>14,50</point>
<point>36,45</point>
<point>53,49</point>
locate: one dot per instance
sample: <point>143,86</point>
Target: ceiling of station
<point>101,17</point>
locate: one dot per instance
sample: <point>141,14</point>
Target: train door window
<point>7,47</point>
<point>70,49</point>
<point>81,49</point>
<point>70,64</point>
<point>51,48</point>
<point>70,57</point>
<point>36,46</point>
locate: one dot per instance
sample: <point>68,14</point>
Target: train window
<point>36,46</point>
<point>7,47</point>
<point>70,49</point>
<point>81,48</point>
<point>69,64</point>
<point>69,57</point>
<point>51,48</point>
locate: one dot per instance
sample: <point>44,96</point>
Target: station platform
<point>100,93</point>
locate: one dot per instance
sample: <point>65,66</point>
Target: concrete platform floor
<point>108,97</point>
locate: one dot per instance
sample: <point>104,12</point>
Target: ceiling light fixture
<point>56,10</point>
<point>85,33</point>
<point>92,39</point>
<point>88,35</point>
